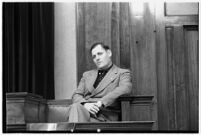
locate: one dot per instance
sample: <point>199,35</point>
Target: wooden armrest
<point>126,101</point>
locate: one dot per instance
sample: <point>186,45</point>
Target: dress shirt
<point>101,75</point>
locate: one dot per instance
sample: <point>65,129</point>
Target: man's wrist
<point>100,104</point>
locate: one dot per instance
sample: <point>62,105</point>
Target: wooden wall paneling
<point>80,17</point>
<point>124,37</point>
<point>192,47</point>
<point>179,78</point>
<point>177,92</point>
<point>161,65</point>
<point>143,50</point>
<point>143,55</point>
<point>23,107</point>
<point>171,106</point>
<point>125,105</point>
<point>57,110</point>
<point>140,112</point>
<point>97,27</point>
<point>170,118</point>
<point>182,20</point>
<point>136,43</point>
<point>115,33</point>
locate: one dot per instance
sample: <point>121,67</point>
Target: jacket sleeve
<point>125,87</point>
<point>78,95</point>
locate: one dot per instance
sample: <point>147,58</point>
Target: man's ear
<point>109,52</point>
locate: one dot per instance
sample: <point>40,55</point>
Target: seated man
<point>95,98</point>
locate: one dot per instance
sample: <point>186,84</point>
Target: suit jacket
<point>115,83</point>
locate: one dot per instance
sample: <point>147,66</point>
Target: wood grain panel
<point>115,33</point>
<point>143,51</point>
<point>191,42</point>
<point>161,58</point>
<point>115,45</point>
<point>140,112</point>
<point>179,78</point>
<point>171,91</point>
<point>172,70</point>
<point>97,27</point>
<point>125,105</point>
<point>124,37</point>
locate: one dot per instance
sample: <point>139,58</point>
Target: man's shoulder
<point>122,70</point>
<point>89,72</point>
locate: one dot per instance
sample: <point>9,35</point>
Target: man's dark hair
<point>101,44</point>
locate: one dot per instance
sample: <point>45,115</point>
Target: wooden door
<point>177,64</point>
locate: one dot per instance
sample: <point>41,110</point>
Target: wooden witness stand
<point>37,114</point>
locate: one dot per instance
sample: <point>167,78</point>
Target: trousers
<point>77,113</point>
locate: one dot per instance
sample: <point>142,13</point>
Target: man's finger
<point>94,110</point>
<point>95,107</point>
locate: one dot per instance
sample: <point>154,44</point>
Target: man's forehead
<point>98,48</point>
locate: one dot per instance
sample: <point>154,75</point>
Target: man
<point>95,98</point>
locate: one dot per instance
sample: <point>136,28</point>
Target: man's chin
<point>99,67</point>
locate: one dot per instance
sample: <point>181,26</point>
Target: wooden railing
<point>23,108</point>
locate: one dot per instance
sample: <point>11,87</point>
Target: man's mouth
<point>98,63</point>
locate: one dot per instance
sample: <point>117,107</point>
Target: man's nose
<point>97,58</point>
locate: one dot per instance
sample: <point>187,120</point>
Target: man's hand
<point>99,104</point>
<point>92,108</point>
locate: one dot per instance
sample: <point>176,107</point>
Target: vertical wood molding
<point>124,37</point>
<point>179,76</point>
<point>192,78</point>
<point>172,124</point>
<point>115,33</point>
<point>161,65</point>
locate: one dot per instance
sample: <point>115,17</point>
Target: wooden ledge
<point>24,96</point>
<point>128,126</point>
<point>59,102</point>
<point>136,98</point>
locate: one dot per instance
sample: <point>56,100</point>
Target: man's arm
<point>78,95</point>
<point>125,87</point>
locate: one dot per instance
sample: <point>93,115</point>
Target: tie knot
<point>101,71</point>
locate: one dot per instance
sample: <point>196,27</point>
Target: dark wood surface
<point>22,107</point>
<point>175,72</point>
<point>130,126</point>
<point>143,56</point>
<point>124,36</point>
<point>115,31</point>
<point>192,46</point>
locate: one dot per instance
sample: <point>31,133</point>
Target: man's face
<point>101,57</point>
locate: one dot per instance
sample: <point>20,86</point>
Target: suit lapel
<point>109,77</point>
<point>91,80</point>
